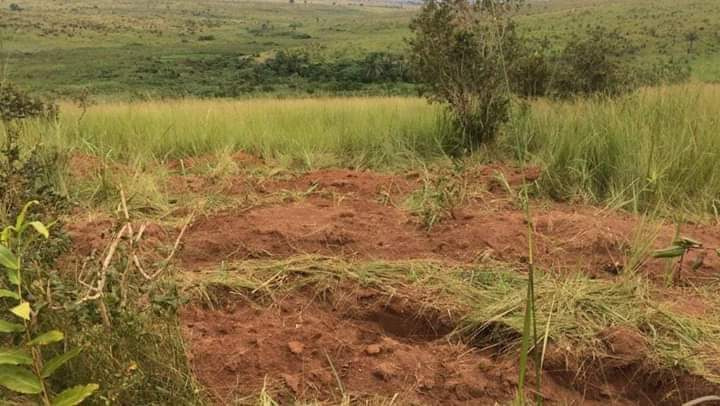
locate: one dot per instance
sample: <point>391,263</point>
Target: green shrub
<point>25,368</point>
<point>460,52</point>
<point>28,170</point>
<point>598,63</point>
<point>532,70</point>
<point>18,105</point>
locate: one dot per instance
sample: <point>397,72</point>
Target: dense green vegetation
<point>180,48</point>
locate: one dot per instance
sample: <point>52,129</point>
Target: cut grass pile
<point>487,302</point>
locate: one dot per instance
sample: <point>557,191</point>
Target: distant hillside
<point>179,47</point>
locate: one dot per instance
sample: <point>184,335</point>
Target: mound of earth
<point>354,220</point>
<point>365,345</point>
<point>308,350</point>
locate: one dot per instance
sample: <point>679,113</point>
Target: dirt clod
<point>385,371</point>
<point>296,347</point>
<point>373,349</point>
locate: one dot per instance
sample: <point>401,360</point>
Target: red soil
<point>345,216</point>
<point>364,344</point>
<point>311,350</point>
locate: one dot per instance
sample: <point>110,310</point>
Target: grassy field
<point>651,149</point>
<point>346,132</point>
<point>135,50</point>
<point>270,249</point>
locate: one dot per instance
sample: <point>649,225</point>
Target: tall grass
<point>654,148</point>
<point>352,131</point>
<point>657,147</point>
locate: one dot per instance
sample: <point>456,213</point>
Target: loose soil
<point>363,344</point>
<point>361,215</point>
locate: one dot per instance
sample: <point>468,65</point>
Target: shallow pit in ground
<point>364,344</point>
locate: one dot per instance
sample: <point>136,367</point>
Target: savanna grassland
<point>229,48</point>
<point>249,203</point>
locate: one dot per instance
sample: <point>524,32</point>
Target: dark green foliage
<point>532,71</point>
<point>296,70</point>
<point>461,52</point>
<point>29,170</point>
<point>18,105</point>
<point>594,64</point>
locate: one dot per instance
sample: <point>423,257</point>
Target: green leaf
<point>22,310</point>
<point>21,217</point>
<point>13,276</point>
<point>73,396</point>
<point>10,294</point>
<point>671,252</point>
<point>7,258</point>
<point>50,337</point>
<point>5,235</point>
<point>7,327</point>
<point>20,380</point>
<point>14,357</point>
<point>40,228</point>
<point>58,361</point>
<point>687,242</point>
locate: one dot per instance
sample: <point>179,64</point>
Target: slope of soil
<point>349,217</point>
<point>312,351</point>
<point>363,344</point>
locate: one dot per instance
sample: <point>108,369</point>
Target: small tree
<point>597,63</point>
<point>460,52</point>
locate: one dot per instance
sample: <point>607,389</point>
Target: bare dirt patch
<point>356,220</point>
<point>357,184</point>
<point>311,350</point>
<point>364,344</point>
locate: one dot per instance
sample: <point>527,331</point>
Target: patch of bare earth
<point>364,344</point>
<point>311,350</point>
<point>359,215</point>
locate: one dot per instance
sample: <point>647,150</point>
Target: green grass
<point>317,132</point>
<point>132,49</point>
<point>655,149</point>
<point>657,28</point>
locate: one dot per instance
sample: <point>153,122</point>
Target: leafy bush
<point>460,52</point>
<point>532,71</point>
<point>18,105</point>
<point>594,64</point>
<point>28,170</point>
<point>25,369</point>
